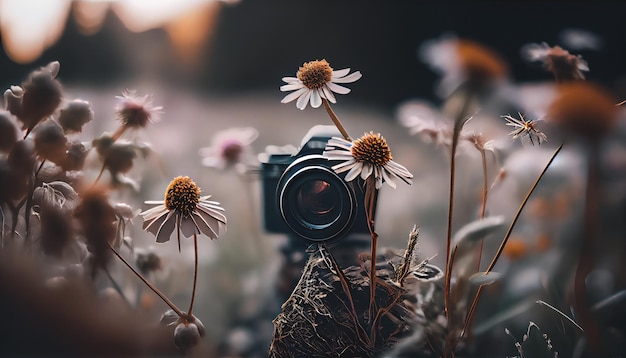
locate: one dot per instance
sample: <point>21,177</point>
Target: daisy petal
<point>337,88</point>
<point>188,227</point>
<point>291,87</point>
<point>316,100</point>
<point>340,73</point>
<point>290,79</point>
<point>304,99</point>
<point>367,171</point>
<point>166,229</point>
<point>354,172</point>
<point>388,177</point>
<point>328,94</point>
<point>349,78</point>
<point>202,221</point>
<point>293,95</point>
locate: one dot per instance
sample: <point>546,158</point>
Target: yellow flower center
<point>315,74</point>
<point>182,195</point>
<point>371,148</point>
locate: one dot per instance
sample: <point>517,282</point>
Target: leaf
<point>481,278</point>
<point>473,232</point>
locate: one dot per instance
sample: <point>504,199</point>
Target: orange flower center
<point>371,148</point>
<point>315,74</point>
<point>182,195</point>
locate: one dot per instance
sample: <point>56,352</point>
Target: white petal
<point>367,171</point>
<point>349,78</point>
<point>304,99</point>
<point>293,95</point>
<point>152,226</point>
<point>354,172</point>
<point>398,169</point>
<point>345,166</point>
<point>203,222</point>
<point>340,73</point>
<point>291,87</point>
<point>166,229</point>
<point>316,100</point>
<point>213,213</point>
<point>188,227</point>
<point>152,213</point>
<point>328,94</point>
<point>337,88</point>
<point>388,179</point>
<point>290,79</point>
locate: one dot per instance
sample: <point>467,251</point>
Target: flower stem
<point>483,205</point>
<point>335,120</point>
<point>370,203</point>
<point>458,125</point>
<point>195,273</point>
<point>470,315</point>
<point>585,260</point>
<point>150,285</point>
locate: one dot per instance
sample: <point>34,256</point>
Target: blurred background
<point>214,65</point>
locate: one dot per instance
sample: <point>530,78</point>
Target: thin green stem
<point>336,120</point>
<point>195,273</point>
<point>150,285</point>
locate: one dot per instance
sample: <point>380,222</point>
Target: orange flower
<point>515,249</point>
<point>480,64</point>
<point>584,109</point>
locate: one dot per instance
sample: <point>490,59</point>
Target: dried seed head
<point>50,142</point>
<point>188,333</point>
<point>42,95</point>
<point>8,131</point>
<point>480,64</point>
<point>119,158</point>
<point>96,217</point>
<point>182,195</point>
<point>135,111</point>
<point>75,156</point>
<point>584,109</point>
<point>75,115</point>
<point>371,148</point>
<point>315,74</point>
<point>564,65</point>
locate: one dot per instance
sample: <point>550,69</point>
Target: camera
<point>302,195</point>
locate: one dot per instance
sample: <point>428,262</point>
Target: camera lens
<point>314,202</point>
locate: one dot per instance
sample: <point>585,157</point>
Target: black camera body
<point>302,195</point>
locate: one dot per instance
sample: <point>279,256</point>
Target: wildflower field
<point>239,179</point>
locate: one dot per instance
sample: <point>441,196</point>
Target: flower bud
<point>75,115</point>
<point>13,99</point>
<point>186,335</point>
<point>42,95</point>
<point>75,156</point>
<point>50,142</point>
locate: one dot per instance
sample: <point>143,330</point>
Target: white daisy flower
<point>364,157</point>
<point>229,148</point>
<point>184,209</point>
<point>315,81</point>
<point>525,130</point>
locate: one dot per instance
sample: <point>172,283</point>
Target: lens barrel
<point>315,202</point>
